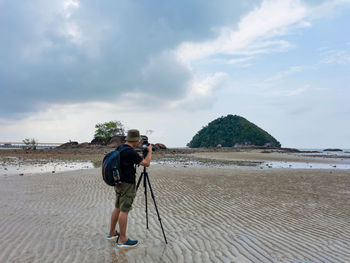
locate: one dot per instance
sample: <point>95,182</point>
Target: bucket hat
<point>133,136</point>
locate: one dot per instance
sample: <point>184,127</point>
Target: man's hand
<point>147,161</point>
<point>149,147</point>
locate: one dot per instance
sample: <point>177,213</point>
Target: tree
<point>30,144</point>
<point>105,131</point>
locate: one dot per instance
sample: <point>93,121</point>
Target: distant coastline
<point>20,145</point>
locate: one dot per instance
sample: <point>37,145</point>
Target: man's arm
<point>147,161</point>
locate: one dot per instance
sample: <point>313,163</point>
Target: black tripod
<point>146,181</point>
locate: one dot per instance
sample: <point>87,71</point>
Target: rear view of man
<point>126,191</point>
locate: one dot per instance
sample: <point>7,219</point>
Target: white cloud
<point>73,33</point>
<point>326,8</point>
<point>283,74</point>
<point>71,29</point>
<point>332,56</point>
<point>201,92</point>
<point>101,54</point>
<point>239,60</point>
<point>69,6</point>
<point>76,122</point>
<point>275,86</point>
<point>260,31</point>
<point>288,92</point>
<point>256,32</point>
<point>295,92</point>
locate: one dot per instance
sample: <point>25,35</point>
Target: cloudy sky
<point>174,66</point>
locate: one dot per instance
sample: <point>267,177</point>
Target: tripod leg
<point>145,187</point>
<point>139,181</point>
<point>155,205</point>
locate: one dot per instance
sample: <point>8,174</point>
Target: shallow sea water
<point>10,166</point>
<point>177,161</point>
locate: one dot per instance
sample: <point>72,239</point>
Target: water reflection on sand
<point>16,166</point>
<point>10,166</point>
<point>188,161</point>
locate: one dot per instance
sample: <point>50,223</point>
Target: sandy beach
<point>209,215</point>
<point>259,155</point>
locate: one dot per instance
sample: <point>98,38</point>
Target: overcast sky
<point>174,66</point>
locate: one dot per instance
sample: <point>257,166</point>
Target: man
<point>125,192</point>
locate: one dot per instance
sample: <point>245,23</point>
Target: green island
<point>230,131</point>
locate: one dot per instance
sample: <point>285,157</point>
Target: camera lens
<point>145,144</point>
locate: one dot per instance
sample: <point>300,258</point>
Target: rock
<point>269,145</point>
<point>242,144</point>
<point>68,145</point>
<point>159,146</point>
<point>84,145</point>
<point>116,140</point>
<point>154,147</point>
<point>290,150</point>
<point>97,141</point>
<point>332,150</point>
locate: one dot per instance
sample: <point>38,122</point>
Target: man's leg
<point>123,221</point>
<point>114,220</point>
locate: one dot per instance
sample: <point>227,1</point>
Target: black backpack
<point>111,166</point>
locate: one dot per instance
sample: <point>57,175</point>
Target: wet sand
<point>259,155</point>
<point>209,215</point>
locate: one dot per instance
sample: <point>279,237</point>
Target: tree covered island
<point>232,130</point>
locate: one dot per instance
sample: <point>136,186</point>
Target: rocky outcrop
<point>115,141</point>
<point>84,145</point>
<point>290,150</point>
<point>332,150</point>
<point>68,145</point>
<point>159,146</point>
<point>269,145</point>
<point>97,142</point>
<point>243,144</point>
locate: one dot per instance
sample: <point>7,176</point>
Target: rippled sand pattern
<point>209,215</point>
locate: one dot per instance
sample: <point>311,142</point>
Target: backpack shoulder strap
<point>123,148</point>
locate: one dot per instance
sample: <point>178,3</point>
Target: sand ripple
<point>209,215</point>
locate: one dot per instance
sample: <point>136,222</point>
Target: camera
<point>145,143</point>
<point>144,148</point>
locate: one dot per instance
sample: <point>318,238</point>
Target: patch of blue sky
<point>310,55</point>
